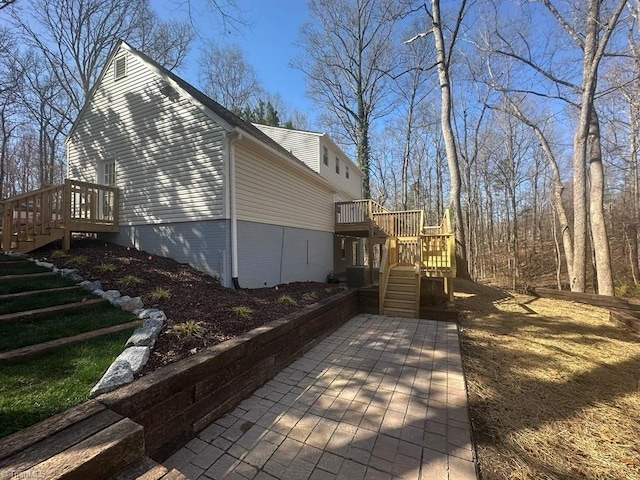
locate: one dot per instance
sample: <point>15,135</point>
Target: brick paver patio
<point>381,398</point>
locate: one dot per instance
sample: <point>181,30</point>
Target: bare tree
<point>10,83</point>
<point>168,43</point>
<point>412,87</point>
<point>444,54</point>
<point>348,60</point>
<point>227,77</point>
<point>6,3</point>
<point>589,28</point>
<point>75,37</point>
<point>593,43</point>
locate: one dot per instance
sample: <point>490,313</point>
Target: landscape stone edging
<point>137,348</point>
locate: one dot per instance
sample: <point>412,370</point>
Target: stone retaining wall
<point>177,401</point>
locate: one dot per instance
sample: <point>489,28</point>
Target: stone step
<point>40,348</point>
<point>56,310</point>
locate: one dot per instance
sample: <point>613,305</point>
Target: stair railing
<point>30,214</point>
<point>388,260</point>
<point>438,256</point>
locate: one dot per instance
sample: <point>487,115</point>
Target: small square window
<point>337,165</point>
<point>325,156</point>
<point>346,171</point>
<point>120,68</point>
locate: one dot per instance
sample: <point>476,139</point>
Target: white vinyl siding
<point>304,145</point>
<point>268,191</point>
<point>310,147</point>
<point>169,153</point>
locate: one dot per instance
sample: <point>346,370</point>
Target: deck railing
<point>357,212</point>
<point>72,206</point>
<point>400,224</point>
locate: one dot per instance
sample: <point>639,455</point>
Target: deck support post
<point>448,288</point>
<point>7,226</point>
<point>370,254</point>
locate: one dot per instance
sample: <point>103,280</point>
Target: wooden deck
<point>34,219</point>
<point>411,251</point>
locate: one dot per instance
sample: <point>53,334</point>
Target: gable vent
<point>120,68</point>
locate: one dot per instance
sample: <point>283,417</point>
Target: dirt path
<point>554,387</point>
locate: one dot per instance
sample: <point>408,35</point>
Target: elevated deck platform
<point>35,219</point>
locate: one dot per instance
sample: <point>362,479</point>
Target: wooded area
<point>523,118</point>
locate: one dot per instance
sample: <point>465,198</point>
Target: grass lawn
<point>20,334</point>
<point>40,387</point>
<point>42,300</point>
<point>554,387</point>
<point>34,284</point>
<point>22,269</point>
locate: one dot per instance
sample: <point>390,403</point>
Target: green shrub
<point>243,312</point>
<point>106,267</point>
<point>77,260</point>
<point>189,329</point>
<point>129,280</point>
<point>160,294</point>
<point>287,300</point>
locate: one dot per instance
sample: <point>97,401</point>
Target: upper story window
<point>120,68</point>
<point>325,156</point>
<point>109,173</point>
<point>337,165</point>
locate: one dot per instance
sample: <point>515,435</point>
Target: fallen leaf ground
<point>554,387</point>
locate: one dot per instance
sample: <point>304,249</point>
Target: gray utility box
<point>358,275</point>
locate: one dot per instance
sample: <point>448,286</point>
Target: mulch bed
<point>194,296</point>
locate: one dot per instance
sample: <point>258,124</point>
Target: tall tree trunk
<point>447,129</point>
<point>601,248</point>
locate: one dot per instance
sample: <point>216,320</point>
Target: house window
<point>109,173</point>
<point>325,156</point>
<point>343,249</point>
<point>120,68</point>
<point>337,165</point>
<point>346,171</point>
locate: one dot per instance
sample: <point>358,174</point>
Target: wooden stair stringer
<point>36,240</point>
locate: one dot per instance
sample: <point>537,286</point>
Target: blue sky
<point>268,40</point>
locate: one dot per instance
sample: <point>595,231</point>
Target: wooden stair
<point>28,241</point>
<point>402,293</point>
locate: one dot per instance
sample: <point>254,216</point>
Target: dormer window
<point>120,68</point>
<point>325,156</point>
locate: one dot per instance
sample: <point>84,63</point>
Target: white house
<point>320,153</point>
<point>253,205</point>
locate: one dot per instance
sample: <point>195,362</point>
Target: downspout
<point>233,211</point>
